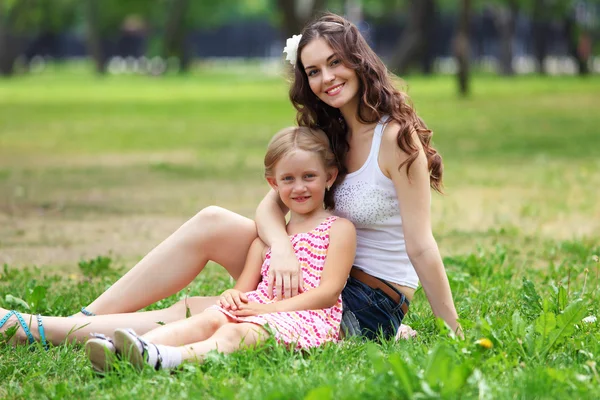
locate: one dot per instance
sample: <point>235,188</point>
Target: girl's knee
<point>239,334</point>
<point>214,319</point>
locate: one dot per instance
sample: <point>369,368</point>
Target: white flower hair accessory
<point>291,49</point>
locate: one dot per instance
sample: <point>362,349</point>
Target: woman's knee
<point>210,214</point>
<point>195,305</point>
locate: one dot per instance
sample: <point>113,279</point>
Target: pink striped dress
<point>307,328</point>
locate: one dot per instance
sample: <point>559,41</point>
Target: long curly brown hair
<point>377,97</point>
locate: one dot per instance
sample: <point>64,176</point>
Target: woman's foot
<point>84,312</point>
<point>7,328</point>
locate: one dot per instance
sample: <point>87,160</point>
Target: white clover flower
<point>291,49</point>
<point>589,320</point>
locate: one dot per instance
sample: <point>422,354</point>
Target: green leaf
<point>561,298</point>
<point>376,358</point>
<point>518,325</point>
<point>38,296</point>
<point>403,372</point>
<point>16,301</point>
<point>531,304</point>
<point>456,380</point>
<point>320,393</point>
<point>544,324</point>
<point>565,324</point>
<point>438,367</point>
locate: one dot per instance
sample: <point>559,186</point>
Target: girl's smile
<point>301,180</point>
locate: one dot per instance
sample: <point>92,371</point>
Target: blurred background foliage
<point>501,36</point>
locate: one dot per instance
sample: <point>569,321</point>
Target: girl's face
<point>301,180</point>
<point>329,79</point>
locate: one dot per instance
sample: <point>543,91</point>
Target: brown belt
<point>376,283</point>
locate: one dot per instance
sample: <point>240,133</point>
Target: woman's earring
<point>328,187</point>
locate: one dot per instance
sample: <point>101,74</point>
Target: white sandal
<point>136,350</point>
<point>101,351</point>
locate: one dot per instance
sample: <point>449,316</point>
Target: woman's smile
<point>335,90</point>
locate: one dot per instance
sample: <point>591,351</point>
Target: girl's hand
<point>285,275</point>
<point>232,299</point>
<point>252,309</point>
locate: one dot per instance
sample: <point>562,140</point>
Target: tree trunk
<point>462,47</point>
<point>94,37</point>
<point>505,19</point>
<point>576,44</point>
<point>175,36</point>
<point>294,19</point>
<point>415,37</point>
<point>540,31</point>
<point>11,46</point>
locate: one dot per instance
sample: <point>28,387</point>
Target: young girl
<point>301,168</point>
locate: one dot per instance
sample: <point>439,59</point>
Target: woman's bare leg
<point>213,234</point>
<point>61,329</point>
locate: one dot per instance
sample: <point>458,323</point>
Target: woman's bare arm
<point>285,275</point>
<point>414,197</point>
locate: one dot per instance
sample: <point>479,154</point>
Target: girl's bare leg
<point>191,330</point>
<point>210,330</point>
<point>227,339</point>
<point>213,234</point>
<point>61,329</point>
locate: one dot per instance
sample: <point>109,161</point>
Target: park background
<point>121,119</point>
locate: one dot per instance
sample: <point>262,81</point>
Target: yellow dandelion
<point>73,277</point>
<point>485,343</point>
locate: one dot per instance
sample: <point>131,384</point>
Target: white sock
<point>171,356</point>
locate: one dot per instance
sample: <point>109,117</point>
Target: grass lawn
<point>95,172</point>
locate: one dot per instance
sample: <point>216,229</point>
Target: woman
<point>342,87</point>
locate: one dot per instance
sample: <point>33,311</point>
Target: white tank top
<point>368,198</point>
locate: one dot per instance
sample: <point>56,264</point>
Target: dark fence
<point>257,39</point>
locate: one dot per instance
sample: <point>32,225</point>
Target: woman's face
<point>329,79</point>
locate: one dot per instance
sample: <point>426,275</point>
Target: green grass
<point>108,167</point>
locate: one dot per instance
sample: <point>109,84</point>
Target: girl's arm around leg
<point>340,256</point>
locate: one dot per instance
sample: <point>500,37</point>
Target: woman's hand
<point>232,299</point>
<point>252,309</point>
<point>285,275</point>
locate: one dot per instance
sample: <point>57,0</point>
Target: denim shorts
<point>370,312</point>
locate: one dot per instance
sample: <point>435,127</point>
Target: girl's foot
<point>141,353</point>
<point>101,352</point>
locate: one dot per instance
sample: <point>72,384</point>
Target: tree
<point>540,33</point>
<point>175,32</point>
<point>505,16</point>
<point>10,44</point>
<point>296,13</point>
<point>94,36</point>
<point>462,47</point>
<point>416,37</point>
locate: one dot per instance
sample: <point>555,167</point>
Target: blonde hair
<point>301,138</point>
